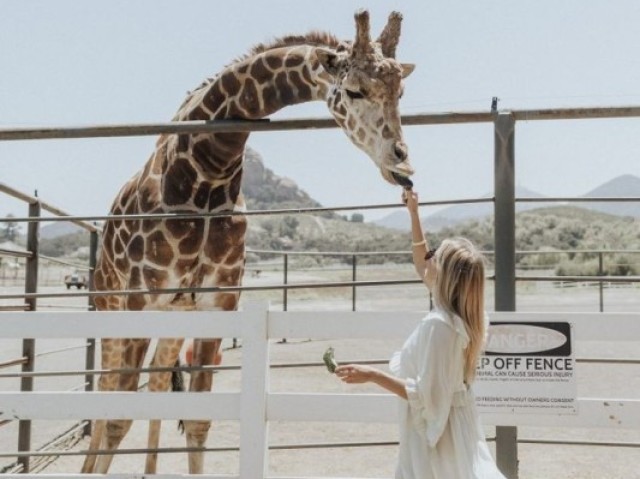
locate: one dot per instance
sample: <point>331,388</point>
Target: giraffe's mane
<point>313,38</point>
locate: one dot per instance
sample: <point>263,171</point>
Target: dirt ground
<point>536,461</point>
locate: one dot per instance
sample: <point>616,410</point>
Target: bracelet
<point>419,243</point>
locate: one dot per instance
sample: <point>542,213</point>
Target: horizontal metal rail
<point>79,387</point>
<point>17,307</point>
<point>186,369</point>
<point>381,253</point>
<point>306,210</point>
<point>607,361</point>
<point>218,289</point>
<point>581,199</point>
<point>223,214</point>
<point>41,374</point>
<point>312,364</point>
<point>581,279</point>
<point>575,251</point>
<point>61,350</point>
<point>293,286</point>
<point>12,253</point>
<point>225,126</point>
<point>13,362</point>
<point>46,207</point>
<point>251,266</point>
<point>554,442</point>
<point>275,447</point>
<point>63,306</point>
<point>81,267</point>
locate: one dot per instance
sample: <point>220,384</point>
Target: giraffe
<point>361,83</point>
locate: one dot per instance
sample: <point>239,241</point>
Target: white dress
<point>440,432</point>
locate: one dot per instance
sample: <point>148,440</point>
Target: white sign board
<point>527,367</point>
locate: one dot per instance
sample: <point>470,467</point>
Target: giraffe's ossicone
<point>361,83</point>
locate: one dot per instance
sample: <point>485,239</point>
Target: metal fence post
<point>601,283</point>
<point>284,281</point>
<point>90,358</point>
<point>505,261</point>
<point>29,344</point>
<point>353,289</point>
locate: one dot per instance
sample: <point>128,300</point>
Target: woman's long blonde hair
<point>459,289</point>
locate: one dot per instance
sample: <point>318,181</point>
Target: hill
<point>621,186</point>
<point>456,214</point>
<point>559,228</point>
<point>326,231</point>
<point>263,189</point>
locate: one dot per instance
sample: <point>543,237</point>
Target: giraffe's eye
<point>355,95</point>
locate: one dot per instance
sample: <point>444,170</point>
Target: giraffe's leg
<point>111,352</point>
<point>166,354</point>
<point>116,430</point>
<point>205,353</point>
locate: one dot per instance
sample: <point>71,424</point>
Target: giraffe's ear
<point>407,69</point>
<point>329,60</point>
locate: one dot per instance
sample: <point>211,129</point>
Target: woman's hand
<point>355,373</point>
<point>358,374</point>
<point>410,198</point>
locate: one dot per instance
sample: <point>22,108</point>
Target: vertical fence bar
<point>285,291</point>
<point>601,282</point>
<point>353,277</point>
<point>90,357</point>
<point>505,261</point>
<point>254,428</point>
<point>29,344</point>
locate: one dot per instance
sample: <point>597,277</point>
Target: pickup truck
<point>77,280</point>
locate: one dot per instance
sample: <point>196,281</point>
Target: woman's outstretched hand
<point>355,373</point>
<point>410,198</point>
<point>358,374</point>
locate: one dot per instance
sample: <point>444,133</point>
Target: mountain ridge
<point>621,186</point>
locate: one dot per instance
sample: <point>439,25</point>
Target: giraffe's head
<point>367,83</point>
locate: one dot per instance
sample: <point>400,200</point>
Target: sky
<point>70,63</point>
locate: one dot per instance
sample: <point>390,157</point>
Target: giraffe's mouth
<point>402,180</point>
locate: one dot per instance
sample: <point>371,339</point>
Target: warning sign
<point>527,367</point>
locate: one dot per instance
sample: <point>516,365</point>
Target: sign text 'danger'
<point>516,338</point>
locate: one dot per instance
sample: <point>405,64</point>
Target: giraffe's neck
<point>259,86</point>
<point>204,171</point>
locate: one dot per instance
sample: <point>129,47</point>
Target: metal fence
<point>504,201</point>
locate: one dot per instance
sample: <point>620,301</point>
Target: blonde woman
<point>440,432</point>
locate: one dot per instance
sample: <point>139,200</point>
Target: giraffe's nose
<point>400,151</point>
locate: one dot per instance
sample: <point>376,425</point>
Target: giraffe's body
<point>201,173</point>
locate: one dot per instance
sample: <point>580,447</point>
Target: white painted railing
<point>254,406</point>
